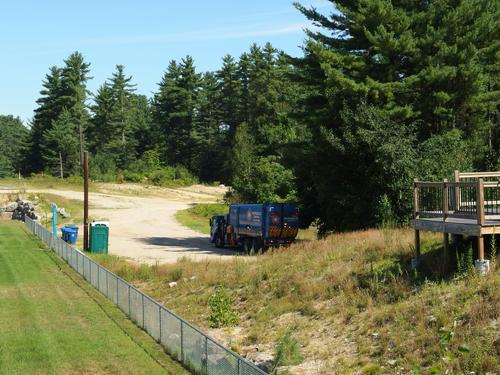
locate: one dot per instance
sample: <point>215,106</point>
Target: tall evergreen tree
<point>121,144</point>
<point>13,143</point>
<point>174,110</point>
<point>49,108</point>
<point>60,147</point>
<point>230,92</point>
<point>64,91</point>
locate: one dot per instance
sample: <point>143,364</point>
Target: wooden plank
<point>478,174</point>
<point>471,229</point>
<point>491,230</point>
<point>429,184</point>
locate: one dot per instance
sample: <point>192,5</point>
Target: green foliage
<point>61,145</point>
<point>221,309</point>
<point>172,176</point>
<point>13,138</point>
<point>287,351</point>
<point>420,72</point>
<point>465,261</point>
<point>442,154</point>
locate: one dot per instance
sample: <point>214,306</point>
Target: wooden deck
<point>469,206</point>
<point>467,227</point>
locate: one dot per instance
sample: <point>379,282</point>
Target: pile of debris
<point>21,208</point>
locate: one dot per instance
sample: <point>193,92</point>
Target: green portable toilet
<point>99,236</point>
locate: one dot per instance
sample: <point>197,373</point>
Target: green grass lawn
<point>197,217</point>
<point>53,322</point>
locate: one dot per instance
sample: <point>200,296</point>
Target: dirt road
<point>145,229</point>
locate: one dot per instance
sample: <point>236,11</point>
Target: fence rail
<point>183,341</point>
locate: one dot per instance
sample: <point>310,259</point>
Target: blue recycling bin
<point>70,233</point>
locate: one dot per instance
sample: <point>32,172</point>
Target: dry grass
<point>351,301</point>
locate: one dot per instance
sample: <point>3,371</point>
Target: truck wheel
<point>219,241</point>
<point>257,245</point>
<point>247,245</point>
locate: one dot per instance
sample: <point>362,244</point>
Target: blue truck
<point>255,226</point>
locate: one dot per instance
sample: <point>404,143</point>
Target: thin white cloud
<point>201,35</point>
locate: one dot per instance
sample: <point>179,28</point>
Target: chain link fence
<point>183,341</point>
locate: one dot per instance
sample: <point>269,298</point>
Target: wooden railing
<point>475,200</point>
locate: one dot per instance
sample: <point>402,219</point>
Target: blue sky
<point>142,35</point>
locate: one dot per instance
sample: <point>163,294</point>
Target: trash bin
<point>99,236</point>
<point>70,233</point>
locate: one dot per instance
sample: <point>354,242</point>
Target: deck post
<point>480,247</point>
<point>446,245</point>
<point>457,191</point>
<point>417,245</point>
<point>480,201</point>
<point>445,199</point>
<point>416,216</point>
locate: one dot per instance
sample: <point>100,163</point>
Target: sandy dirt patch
<point>144,229</point>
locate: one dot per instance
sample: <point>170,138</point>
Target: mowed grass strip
<point>52,322</point>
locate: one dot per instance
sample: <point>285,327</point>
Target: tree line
<point>385,91</point>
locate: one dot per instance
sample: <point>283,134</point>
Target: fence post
<point>159,319</point>
<point>129,314</point>
<point>206,356</point>
<point>182,341</point>
<point>142,298</point>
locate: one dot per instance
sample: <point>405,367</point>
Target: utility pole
<point>86,200</point>
<point>80,131</point>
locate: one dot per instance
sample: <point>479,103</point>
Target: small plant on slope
<point>287,351</point>
<point>221,309</point>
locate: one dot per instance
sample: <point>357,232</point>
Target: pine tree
<point>64,92</point>
<point>13,143</point>
<point>230,92</point>
<point>174,110</point>
<point>121,144</point>
<point>210,134</point>
<point>49,108</point>
<point>61,144</point>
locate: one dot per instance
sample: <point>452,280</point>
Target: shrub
<point>133,176</point>
<point>287,351</point>
<point>221,309</point>
<point>172,176</point>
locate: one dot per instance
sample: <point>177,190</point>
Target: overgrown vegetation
<point>221,309</point>
<point>354,291</point>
